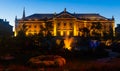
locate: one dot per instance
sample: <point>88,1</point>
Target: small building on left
<point>5,28</point>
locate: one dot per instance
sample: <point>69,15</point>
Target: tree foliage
<point>96,29</point>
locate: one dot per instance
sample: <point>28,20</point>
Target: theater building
<point>67,24</point>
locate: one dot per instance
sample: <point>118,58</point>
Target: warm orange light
<point>68,41</point>
<point>58,41</point>
<point>68,33</point>
<point>15,33</point>
<point>61,33</point>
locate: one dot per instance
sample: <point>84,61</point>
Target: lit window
<point>29,30</point>
<point>58,24</point>
<point>40,26</point>
<point>35,26</point>
<point>64,24</point>
<point>29,26</point>
<point>35,31</point>
<point>29,33</point>
<point>71,26</point>
<point>70,23</point>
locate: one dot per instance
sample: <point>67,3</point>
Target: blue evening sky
<point>11,8</point>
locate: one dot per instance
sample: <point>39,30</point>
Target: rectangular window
<point>58,24</point>
<point>64,24</point>
<point>71,25</point>
<point>71,33</point>
<point>35,26</point>
<point>29,26</point>
<point>29,30</point>
<point>58,33</point>
<point>35,31</point>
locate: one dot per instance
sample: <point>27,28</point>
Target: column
<point>102,30</point>
<point>68,28</point>
<point>61,33</point>
<point>75,31</point>
<point>113,26</point>
<point>85,24</point>
<point>54,29</point>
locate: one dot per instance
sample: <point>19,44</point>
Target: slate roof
<point>39,16</point>
<point>71,15</point>
<point>90,15</point>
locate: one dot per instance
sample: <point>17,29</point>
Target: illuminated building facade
<point>67,24</point>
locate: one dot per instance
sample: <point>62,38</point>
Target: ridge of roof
<point>51,15</point>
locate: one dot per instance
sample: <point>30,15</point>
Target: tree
<point>96,27</point>
<point>45,36</point>
<point>110,34</point>
<point>22,32</point>
<point>86,31</point>
<point>47,27</point>
<point>21,37</point>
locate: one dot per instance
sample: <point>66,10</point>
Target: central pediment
<point>64,14</point>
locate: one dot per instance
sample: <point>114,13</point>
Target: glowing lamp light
<point>68,42</point>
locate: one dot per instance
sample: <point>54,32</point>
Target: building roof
<point>90,16</point>
<point>39,16</point>
<point>66,14</point>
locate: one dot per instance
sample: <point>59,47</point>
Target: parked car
<point>47,60</point>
